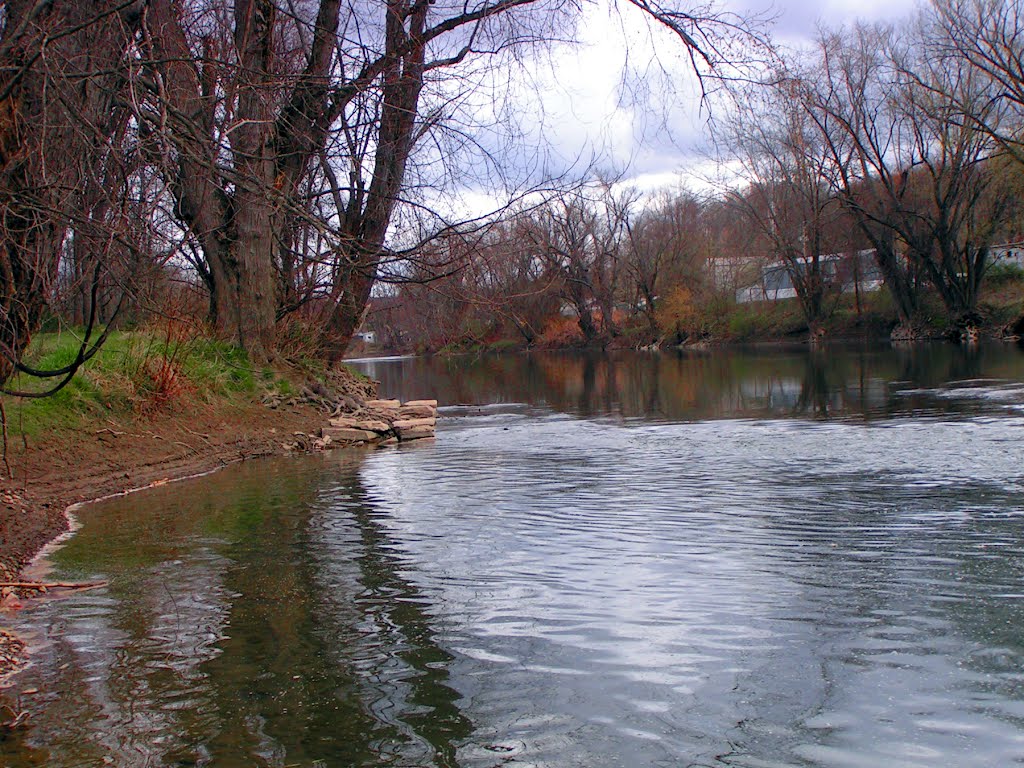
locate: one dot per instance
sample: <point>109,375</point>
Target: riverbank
<point>110,434</point>
<point>717,320</point>
<point>69,466</point>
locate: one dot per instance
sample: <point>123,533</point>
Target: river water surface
<point>760,558</point>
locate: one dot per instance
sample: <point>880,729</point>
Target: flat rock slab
<point>417,412</point>
<point>383,403</point>
<point>409,423</point>
<point>349,434</point>
<point>374,425</point>
<point>414,433</point>
<point>417,403</point>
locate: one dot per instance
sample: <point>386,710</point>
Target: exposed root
<point>11,719</point>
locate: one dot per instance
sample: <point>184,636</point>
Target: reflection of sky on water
<point>737,591</point>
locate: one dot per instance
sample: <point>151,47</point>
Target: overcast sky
<point>662,134</point>
<point>623,98</point>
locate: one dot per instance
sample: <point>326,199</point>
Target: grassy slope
<point>134,373</point>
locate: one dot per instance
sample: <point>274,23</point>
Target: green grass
<point>999,275</point>
<point>134,372</point>
<point>505,345</point>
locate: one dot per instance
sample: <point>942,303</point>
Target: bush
<point>504,345</point>
<point>744,322</point>
<point>561,332</point>
<point>679,315</point>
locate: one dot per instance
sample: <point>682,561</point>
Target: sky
<point>623,99</point>
<point>660,138</point>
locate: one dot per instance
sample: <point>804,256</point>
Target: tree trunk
<point>347,314</point>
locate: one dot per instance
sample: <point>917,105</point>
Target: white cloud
<point>624,99</point>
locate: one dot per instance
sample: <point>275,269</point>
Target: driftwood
<point>45,586</point>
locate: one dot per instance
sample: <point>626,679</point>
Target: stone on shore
<point>372,425</point>
<point>407,423</point>
<point>416,411</point>
<point>382,422</point>
<point>383,404</point>
<point>423,403</point>
<point>414,433</point>
<point>348,434</point>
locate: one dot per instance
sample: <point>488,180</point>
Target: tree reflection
<point>256,624</point>
<point>331,649</point>
<point>847,382</point>
<point>398,613</point>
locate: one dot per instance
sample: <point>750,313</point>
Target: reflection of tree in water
<point>599,389</point>
<point>730,382</point>
<point>128,662</point>
<point>815,390</point>
<point>701,384</point>
<point>927,367</point>
<point>229,636</point>
<point>966,362</point>
<point>315,668</point>
<point>397,609</point>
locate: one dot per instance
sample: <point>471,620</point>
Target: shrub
<point>561,332</point>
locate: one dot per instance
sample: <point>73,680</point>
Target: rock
<point>353,422</point>
<point>410,423</point>
<point>417,412</point>
<point>383,403</point>
<point>348,434</point>
<point>415,433</point>
<point>418,403</point>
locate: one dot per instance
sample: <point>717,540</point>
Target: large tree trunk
<point>347,313</point>
<point>403,82</point>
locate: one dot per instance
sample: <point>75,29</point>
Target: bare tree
<point>563,234</point>
<point>787,200</point>
<point>989,35</point>
<point>287,136</point>
<point>274,123</point>
<point>848,103</point>
<point>663,248</point>
<point>65,74</point>
<point>905,159</point>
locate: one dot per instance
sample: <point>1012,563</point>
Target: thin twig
<point>3,427</point>
<point>197,434</point>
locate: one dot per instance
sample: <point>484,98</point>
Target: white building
<point>1007,253</point>
<point>848,272</point>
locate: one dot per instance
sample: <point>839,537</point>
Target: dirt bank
<point>70,466</point>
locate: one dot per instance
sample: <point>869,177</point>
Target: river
<point>759,558</point>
